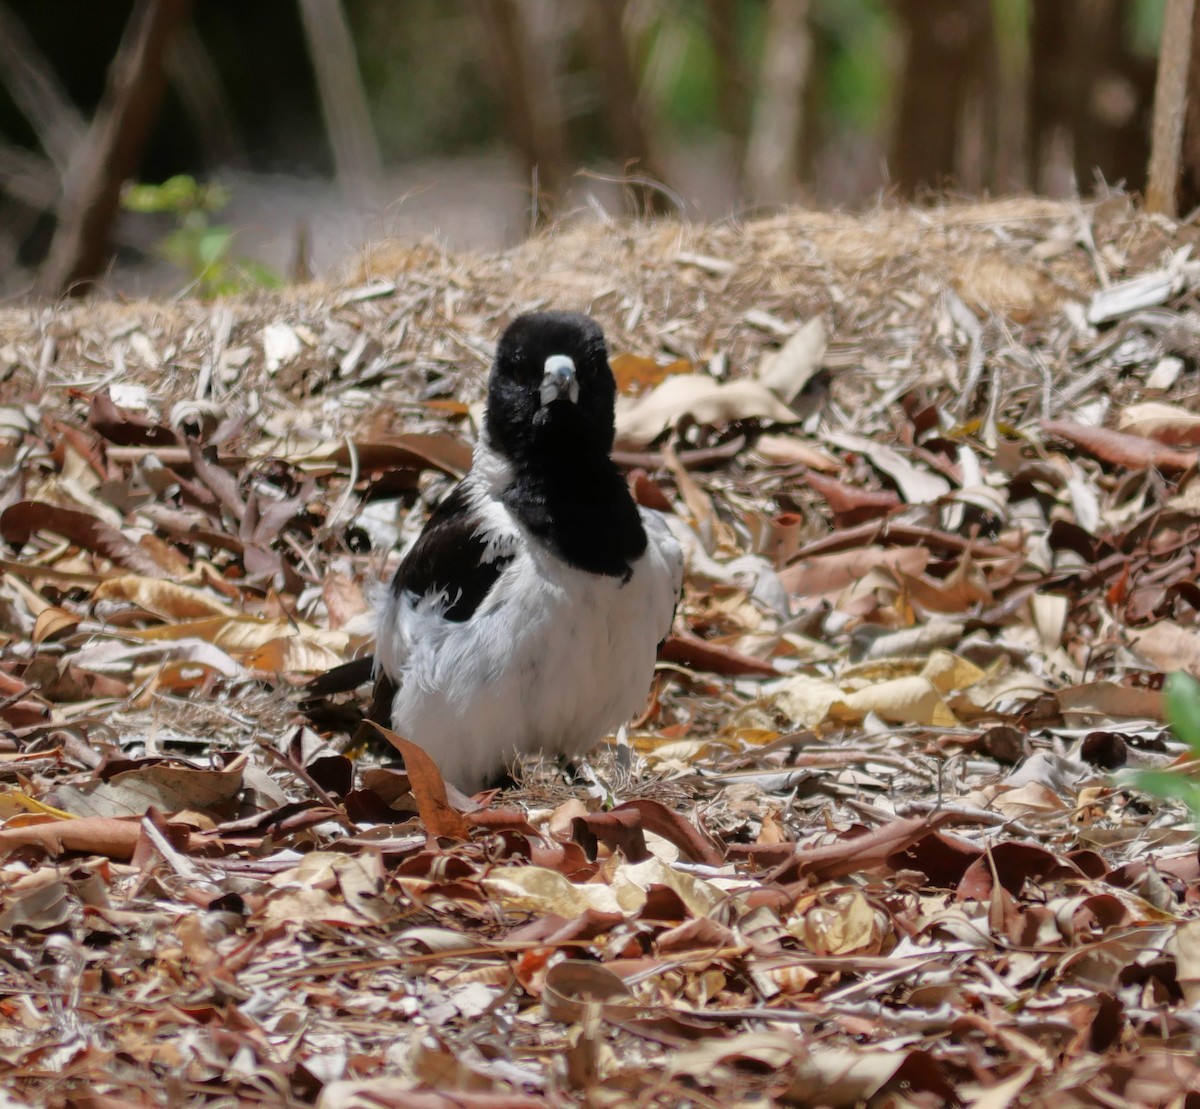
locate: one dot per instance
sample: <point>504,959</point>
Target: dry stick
<point>36,90</point>
<point>343,99</point>
<point>1170,104</point>
<point>113,146</point>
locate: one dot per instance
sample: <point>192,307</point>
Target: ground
<point>874,838</point>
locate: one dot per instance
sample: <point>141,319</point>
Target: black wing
<point>451,556</point>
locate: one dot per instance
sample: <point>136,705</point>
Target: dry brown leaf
<point>910,700</point>
<point>166,786</point>
<point>428,787</point>
<point>715,658</point>
<point>708,402</point>
<point>790,450</point>
<point>786,371</point>
<point>828,575</point>
<point>864,853</point>
<point>166,599</point>
<point>635,374</point>
<point>1096,703</point>
<point>20,521</point>
<point>1165,423</point>
<point>52,622</point>
<point>97,835</point>
<point>1168,646</point>
<point>1131,451</point>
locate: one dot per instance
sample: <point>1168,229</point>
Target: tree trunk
<point>772,152</point>
<point>1088,95</point>
<point>343,100</point>
<point>1189,182</point>
<point>112,148</point>
<point>733,89</point>
<point>1170,104</point>
<point>525,77</point>
<point>624,106</point>
<point>1011,168</point>
<point>950,48</point>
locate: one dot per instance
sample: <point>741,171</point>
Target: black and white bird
<point>526,616</point>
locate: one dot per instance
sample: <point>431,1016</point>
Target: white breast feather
<point>553,659</point>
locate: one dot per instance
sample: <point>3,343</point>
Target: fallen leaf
<point>828,575</point>
<point>20,521</point>
<point>427,785</point>
<point>786,371</point>
<point>636,374</point>
<point>97,835</point>
<point>708,402</point>
<point>1164,423</point>
<point>1131,451</point>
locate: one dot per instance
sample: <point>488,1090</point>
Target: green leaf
<point>212,245</point>
<point>259,274</point>
<point>181,194</point>
<point>1182,695</point>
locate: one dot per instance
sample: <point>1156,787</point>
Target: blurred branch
<point>623,103</point>
<point>28,177</point>
<point>195,79</point>
<point>525,76</point>
<point>112,148</point>
<point>774,143</point>
<point>343,99</point>
<point>36,91</point>
<point>1170,103</point>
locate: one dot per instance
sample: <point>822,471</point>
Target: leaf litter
<point>935,473</point>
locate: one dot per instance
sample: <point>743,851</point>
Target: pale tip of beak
<point>559,380</point>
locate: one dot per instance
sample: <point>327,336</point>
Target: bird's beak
<point>559,381</point>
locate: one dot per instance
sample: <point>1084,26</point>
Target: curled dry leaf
<point>828,575</point>
<point>786,371</point>
<point>165,599</point>
<point>699,397</point>
<point>1164,423</point>
<point>862,853</point>
<point>428,787</point>
<point>849,504</point>
<point>636,374</point>
<point>790,450</point>
<point>96,835</point>
<point>20,521</point>
<point>715,658</point>
<point>1131,451</point>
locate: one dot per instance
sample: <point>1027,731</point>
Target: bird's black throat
<point>581,509</point>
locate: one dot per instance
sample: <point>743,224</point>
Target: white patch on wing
<point>491,473</point>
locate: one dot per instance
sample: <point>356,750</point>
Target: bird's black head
<point>551,391</point>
